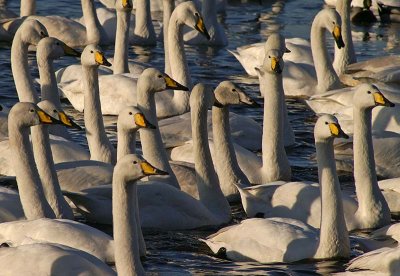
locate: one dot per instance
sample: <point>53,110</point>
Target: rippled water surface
<point>176,253</point>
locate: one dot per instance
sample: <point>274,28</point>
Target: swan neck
<point>47,172</point>
<point>27,8</point>
<point>371,202</point>
<point>143,24</point>
<point>99,146</point>
<point>326,75</point>
<point>168,8</point>
<point>275,162</point>
<point>121,43</point>
<point>30,188</point>
<point>152,144</point>
<point>92,24</point>
<point>126,142</point>
<point>346,55</point>
<point>226,164</point>
<point>334,239</point>
<point>19,66</point>
<point>208,186</point>
<point>126,238</point>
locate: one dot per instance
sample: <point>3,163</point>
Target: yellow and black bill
<point>149,169</point>
<point>337,131</point>
<point>173,84</point>
<point>101,59</point>
<point>67,121</point>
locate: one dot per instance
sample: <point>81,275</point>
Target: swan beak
<point>45,118</point>
<point>275,66</point>
<point>68,51</point>
<point>337,35</point>
<point>141,121</point>
<point>380,100</point>
<point>101,59</point>
<point>172,84</point>
<point>148,169</point>
<point>201,27</point>
<point>337,131</point>
<point>67,121</point>
<point>126,4</point>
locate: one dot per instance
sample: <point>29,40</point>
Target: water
<point>176,253</point>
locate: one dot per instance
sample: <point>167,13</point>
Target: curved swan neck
<point>152,144</point>
<point>179,68</point>
<point>121,43</point>
<point>30,189</point>
<point>346,55</point>
<point>28,7</point>
<point>99,146</point>
<point>144,28</point>
<point>210,193</point>
<point>168,8</point>
<point>326,75</point>
<point>275,162</point>
<point>19,66</point>
<point>372,206</point>
<point>126,239</point>
<point>227,167</point>
<point>334,238</point>
<point>93,27</point>
<point>48,175</point>
<point>126,142</point>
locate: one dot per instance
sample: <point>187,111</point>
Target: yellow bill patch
<point>379,99</point>
<point>274,63</point>
<point>170,82</point>
<point>147,168</point>
<point>64,119</point>
<point>140,120</point>
<point>335,129</point>
<point>200,25</point>
<point>99,57</point>
<point>337,32</point>
<point>43,117</point>
<point>69,51</point>
<point>126,4</point>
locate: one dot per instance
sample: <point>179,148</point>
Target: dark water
<point>176,253</point>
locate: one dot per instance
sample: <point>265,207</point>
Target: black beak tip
<point>345,136</point>
<point>160,172</point>
<point>207,36</point>
<point>107,63</point>
<point>391,104</point>
<point>150,126</point>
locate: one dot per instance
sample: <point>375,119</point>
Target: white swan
<point>168,105</point>
<point>215,29</point>
<point>163,206</point>
<point>287,240</point>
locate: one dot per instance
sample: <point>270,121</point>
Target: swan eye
<point>197,14</point>
<point>326,123</point>
<point>42,33</point>
<point>32,110</point>
<point>233,90</point>
<point>57,43</point>
<point>135,162</point>
<point>159,76</point>
<point>55,111</point>
<point>130,113</point>
<point>91,52</point>
<point>269,56</point>
<point>369,92</point>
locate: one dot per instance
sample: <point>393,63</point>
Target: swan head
<point>332,22</point>
<point>92,55</point>
<point>134,167</point>
<point>368,96</point>
<point>276,41</point>
<point>52,48</point>
<point>26,114</point>
<point>123,5</point>
<point>202,96</point>
<point>190,16</point>
<point>228,93</point>
<point>32,31</point>
<point>273,63</point>
<point>131,118</point>
<point>327,127</point>
<point>156,81</point>
<point>50,108</point>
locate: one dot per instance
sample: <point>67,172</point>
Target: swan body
<point>251,239</point>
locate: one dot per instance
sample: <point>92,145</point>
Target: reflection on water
<point>180,253</point>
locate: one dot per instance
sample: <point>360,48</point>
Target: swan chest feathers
<point>266,240</point>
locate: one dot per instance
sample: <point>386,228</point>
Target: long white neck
<point>334,238</point>
<point>346,55</point>
<point>28,7</point>
<point>275,162</point>
<point>326,75</point>
<point>226,164</point>
<point>144,29</point>
<point>99,146</point>
<point>94,31</point>
<point>126,142</point>
<point>152,144</point>
<point>168,8</point>
<point>121,42</point>
<point>49,90</point>
<point>179,68</point>
<point>373,210</point>
<point>210,193</point>
<point>30,189</point>
<point>126,239</point>
<point>19,66</point>
<point>47,172</point>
